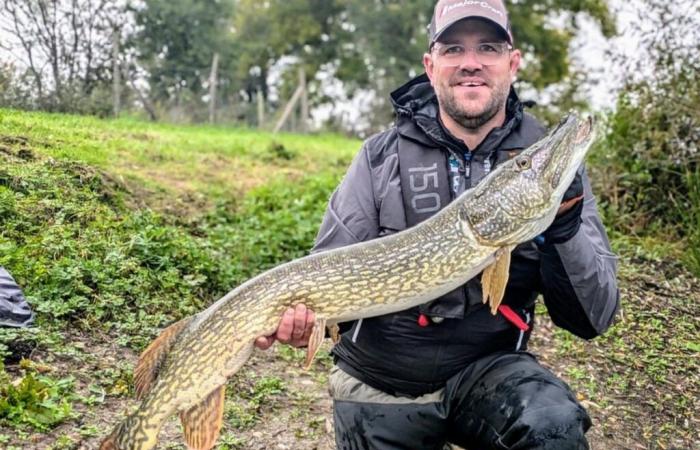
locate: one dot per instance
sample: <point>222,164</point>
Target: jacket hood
<point>415,97</point>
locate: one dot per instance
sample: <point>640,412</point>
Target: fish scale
<point>513,204</point>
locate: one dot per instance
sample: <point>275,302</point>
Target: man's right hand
<point>295,328</point>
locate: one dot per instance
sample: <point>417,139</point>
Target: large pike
<point>186,368</point>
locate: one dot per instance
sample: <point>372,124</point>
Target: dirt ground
<point>274,404</point>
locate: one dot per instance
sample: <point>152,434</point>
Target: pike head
<point>519,199</point>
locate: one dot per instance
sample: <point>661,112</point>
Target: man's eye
<point>454,50</point>
<point>487,48</point>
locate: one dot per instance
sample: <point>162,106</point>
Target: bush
<point>647,166</point>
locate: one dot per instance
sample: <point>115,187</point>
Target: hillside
<point>117,228</point>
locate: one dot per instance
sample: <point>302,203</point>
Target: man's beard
<point>472,119</point>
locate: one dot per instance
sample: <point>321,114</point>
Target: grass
<point>92,251</point>
<point>117,228</point>
<point>181,164</point>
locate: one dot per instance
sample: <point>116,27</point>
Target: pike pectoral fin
<point>315,341</point>
<point>150,360</point>
<point>495,277</point>
<point>202,422</point>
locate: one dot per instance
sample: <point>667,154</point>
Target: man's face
<point>471,93</point>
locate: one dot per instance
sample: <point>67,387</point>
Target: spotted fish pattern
<point>186,370</point>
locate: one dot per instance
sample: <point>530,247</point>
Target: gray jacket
<point>393,353</point>
<point>14,309</point>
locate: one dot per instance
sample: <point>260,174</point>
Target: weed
<point>63,442</point>
<point>38,401</point>
<point>230,442</point>
<point>249,403</point>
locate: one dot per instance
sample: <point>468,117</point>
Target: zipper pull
<point>467,164</point>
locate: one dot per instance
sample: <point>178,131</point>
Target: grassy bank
<point>118,228</point>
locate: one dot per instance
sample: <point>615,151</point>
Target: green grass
<point>182,163</point>
<point>116,228</point>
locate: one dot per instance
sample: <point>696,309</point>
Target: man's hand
<point>572,196</point>
<point>294,329</point>
<point>568,218</point>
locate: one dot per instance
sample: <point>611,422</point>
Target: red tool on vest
<point>510,315</point>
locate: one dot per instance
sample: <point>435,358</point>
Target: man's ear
<point>514,62</point>
<point>428,65</point>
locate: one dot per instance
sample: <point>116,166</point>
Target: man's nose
<point>469,61</point>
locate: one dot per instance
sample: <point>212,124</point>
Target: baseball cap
<point>449,12</point>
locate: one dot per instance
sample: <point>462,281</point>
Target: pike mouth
<point>584,131</point>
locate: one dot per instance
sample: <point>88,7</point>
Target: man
<point>449,370</point>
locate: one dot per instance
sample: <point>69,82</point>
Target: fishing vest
<point>428,184</point>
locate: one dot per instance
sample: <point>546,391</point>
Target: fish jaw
<point>519,199</point>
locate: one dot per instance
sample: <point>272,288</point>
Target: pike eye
<point>522,162</point>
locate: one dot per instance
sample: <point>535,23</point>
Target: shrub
<point>647,166</point>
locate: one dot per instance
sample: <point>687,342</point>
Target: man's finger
<point>264,342</point>
<point>286,326</point>
<point>299,321</point>
<point>568,204</point>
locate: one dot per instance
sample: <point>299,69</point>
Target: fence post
<point>261,109</point>
<point>116,73</point>
<point>300,94</point>
<point>288,109</point>
<point>213,80</point>
<point>303,123</point>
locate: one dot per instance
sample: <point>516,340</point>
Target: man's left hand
<point>568,218</point>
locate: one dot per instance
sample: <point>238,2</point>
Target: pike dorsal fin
<point>147,368</point>
<point>202,422</point>
<point>315,341</point>
<point>495,277</point>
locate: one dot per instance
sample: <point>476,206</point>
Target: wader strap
<point>424,182</point>
<point>425,186</point>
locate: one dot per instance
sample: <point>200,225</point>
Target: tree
<point>648,171</point>
<point>176,42</point>
<point>305,32</point>
<point>378,44</point>
<point>65,47</point>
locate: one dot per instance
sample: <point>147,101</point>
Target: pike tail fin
<point>152,358</point>
<point>202,422</point>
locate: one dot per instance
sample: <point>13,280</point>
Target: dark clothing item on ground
<point>14,309</point>
<point>501,401</point>
<point>416,351</point>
